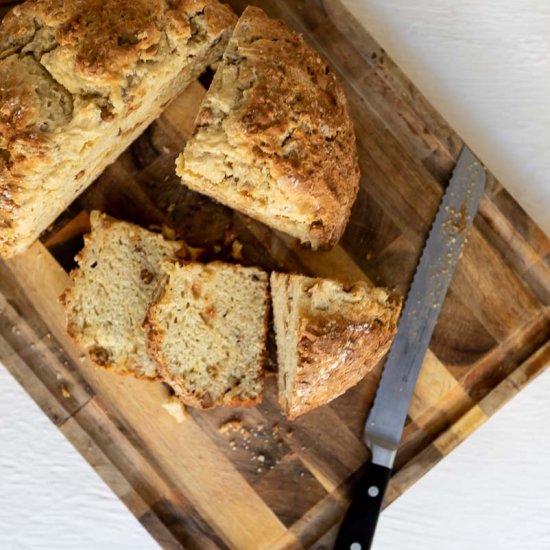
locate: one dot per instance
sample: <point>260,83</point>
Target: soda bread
<point>79,81</point>
<point>273,137</point>
<point>119,270</point>
<point>329,337</point>
<point>207,332</point>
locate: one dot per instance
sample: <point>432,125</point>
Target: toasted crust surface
<point>207,332</point>
<point>279,116</point>
<point>337,333</point>
<point>119,271</point>
<point>79,80</point>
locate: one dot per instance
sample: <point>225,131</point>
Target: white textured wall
<point>50,498</point>
<point>491,493</point>
<point>486,66</point>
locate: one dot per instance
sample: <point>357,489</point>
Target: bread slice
<point>207,332</point>
<point>329,336</point>
<point>119,270</point>
<point>79,81</point>
<point>273,137</point>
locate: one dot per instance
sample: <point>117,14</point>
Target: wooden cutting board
<point>262,482</point>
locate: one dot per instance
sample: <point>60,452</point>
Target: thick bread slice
<point>329,336</point>
<point>207,332</point>
<point>119,270</point>
<point>273,137</point>
<point>79,81</point>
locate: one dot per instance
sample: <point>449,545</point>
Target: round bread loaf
<point>274,138</point>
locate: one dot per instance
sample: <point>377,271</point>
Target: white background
<point>485,65</point>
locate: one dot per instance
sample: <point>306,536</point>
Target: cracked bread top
<point>30,100</point>
<point>103,47</point>
<point>284,111</point>
<point>329,336</point>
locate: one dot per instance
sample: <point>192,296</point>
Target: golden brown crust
<point>31,104</point>
<point>295,120</point>
<point>23,85</point>
<point>338,344</point>
<point>348,348</point>
<point>107,37</point>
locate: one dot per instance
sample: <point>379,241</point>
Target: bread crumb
<point>231,425</point>
<point>168,232</point>
<point>230,236</point>
<point>195,252</point>
<point>237,250</point>
<point>190,253</point>
<point>175,408</point>
<point>65,391</point>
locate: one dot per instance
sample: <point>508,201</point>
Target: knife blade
<point>386,419</point>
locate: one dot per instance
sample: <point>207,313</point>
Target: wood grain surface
<point>195,486</point>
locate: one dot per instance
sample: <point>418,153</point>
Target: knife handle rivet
<point>355,546</point>
<point>373,491</point>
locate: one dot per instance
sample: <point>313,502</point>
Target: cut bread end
<point>119,269</point>
<point>207,333</point>
<point>329,336</point>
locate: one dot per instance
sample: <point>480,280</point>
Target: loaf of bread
<point>119,270</point>
<point>273,137</point>
<point>329,336</point>
<point>79,81</point>
<point>207,332</point>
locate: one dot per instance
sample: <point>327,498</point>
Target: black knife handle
<point>357,529</point>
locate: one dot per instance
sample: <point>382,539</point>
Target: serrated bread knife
<point>385,422</point>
